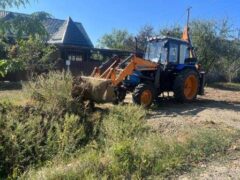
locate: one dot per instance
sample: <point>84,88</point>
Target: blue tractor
<point>168,65</point>
<point>178,71</point>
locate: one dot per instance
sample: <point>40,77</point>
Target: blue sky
<point>101,16</point>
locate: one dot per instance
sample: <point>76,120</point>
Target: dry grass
<point>127,148</point>
<point>16,97</point>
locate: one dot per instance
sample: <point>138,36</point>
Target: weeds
<point>56,138</point>
<point>126,149</point>
<point>52,125</point>
<point>52,91</point>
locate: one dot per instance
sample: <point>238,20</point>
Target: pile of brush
<point>93,89</point>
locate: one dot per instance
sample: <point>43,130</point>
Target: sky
<point>102,16</point>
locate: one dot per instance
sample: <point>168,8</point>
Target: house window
<point>78,58</point>
<point>71,57</point>
<point>75,57</point>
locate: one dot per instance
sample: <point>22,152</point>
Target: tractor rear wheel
<point>144,95</point>
<point>186,86</point>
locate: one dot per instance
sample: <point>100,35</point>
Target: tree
<point>205,38</point>
<point>230,60</point>
<point>25,25</point>
<point>12,3</point>
<point>121,39</point>
<point>117,39</point>
<point>3,68</point>
<point>144,33</point>
<point>175,31</point>
<point>33,55</point>
<point>3,48</point>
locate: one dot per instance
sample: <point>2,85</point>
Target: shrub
<point>32,55</point>
<point>52,90</point>
<point>123,123</point>
<point>54,124</point>
<point>72,135</point>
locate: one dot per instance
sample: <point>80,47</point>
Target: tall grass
<point>126,148</point>
<point>53,90</point>
<point>53,125</point>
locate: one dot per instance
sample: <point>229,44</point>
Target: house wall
<point>80,68</point>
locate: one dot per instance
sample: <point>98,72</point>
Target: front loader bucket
<point>95,89</point>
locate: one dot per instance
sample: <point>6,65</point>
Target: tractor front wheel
<point>186,86</point>
<point>144,95</point>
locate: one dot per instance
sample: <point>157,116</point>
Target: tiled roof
<point>60,31</point>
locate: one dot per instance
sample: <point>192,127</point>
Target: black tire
<point>180,86</point>
<point>137,95</point>
<point>121,94</point>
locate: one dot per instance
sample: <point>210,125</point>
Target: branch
<point>12,3</point>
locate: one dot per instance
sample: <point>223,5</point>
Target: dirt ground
<point>215,107</point>
<point>218,108</point>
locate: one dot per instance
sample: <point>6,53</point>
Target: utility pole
<point>188,16</point>
<point>189,39</point>
<point>238,34</point>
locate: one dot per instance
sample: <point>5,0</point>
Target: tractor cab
<point>169,51</point>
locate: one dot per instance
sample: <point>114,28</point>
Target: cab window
<point>184,53</point>
<point>173,53</point>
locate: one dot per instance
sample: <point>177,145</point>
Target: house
<point>73,42</point>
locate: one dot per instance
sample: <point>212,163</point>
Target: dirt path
<point>227,167</point>
<point>218,108</point>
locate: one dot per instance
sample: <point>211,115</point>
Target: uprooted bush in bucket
<point>94,89</point>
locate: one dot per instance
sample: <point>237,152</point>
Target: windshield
<point>156,52</point>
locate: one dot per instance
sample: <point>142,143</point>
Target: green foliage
<point>23,26</point>
<point>207,42</point>
<point>32,55</point>
<point>175,31</point>
<point>10,65</point>
<point>52,90</point>
<point>123,40</point>
<point>126,149</point>
<point>12,3</point>
<point>73,133</point>
<point>119,125</point>
<point>3,68</point>
<point>144,33</point>
<point>35,55</point>
<point>3,56</point>
<point>216,47</point>
<point>116,40</point>
<point>52,125</point>
<point>3,48</point>
<point>230,61</point>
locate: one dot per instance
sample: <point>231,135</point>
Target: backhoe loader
<point>169,65</point>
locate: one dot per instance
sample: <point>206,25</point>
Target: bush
<point>33,56</point>
<point>53,124</point>
<point>52,90</point>
<point>36,55</point>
